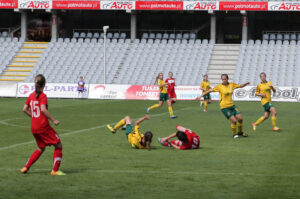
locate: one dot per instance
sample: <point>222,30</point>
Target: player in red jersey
<point>171,88</point>
<point>36,107</point>
<point>187,139</point>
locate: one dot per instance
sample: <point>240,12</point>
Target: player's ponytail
<point>40,83</point>
<point>181,136</point>
<point>148,139</point>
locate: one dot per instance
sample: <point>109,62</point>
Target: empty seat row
<point>168,36</point>
<point>279,36</point>
<point>98,35</point>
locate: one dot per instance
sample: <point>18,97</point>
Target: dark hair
<point>148,138</point>
<point>181,136</point>
<point>226,75</point>
<point>157,78</point>
<point>40,83</point>
<point>262,73</point>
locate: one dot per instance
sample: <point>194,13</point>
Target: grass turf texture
<point>102,165</point>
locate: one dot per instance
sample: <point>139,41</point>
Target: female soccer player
<point>80,87</point>
<point>226,104</point>
<point>135,138</point>
<point>264,91</point>
<point>163,96</point>
<point>187,139</point>
<point>36,107</point>
<point>205,87</point>
<point>171,88</point>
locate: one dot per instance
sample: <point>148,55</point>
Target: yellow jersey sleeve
<point>202,85</point>
<point>137,129</point>
<point>162,89</point>
<point>235,86</point>
<point>257,89</point>
<point>216,89</point>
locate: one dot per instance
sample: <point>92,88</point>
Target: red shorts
<point>172,94</point>
<point>47,138</point>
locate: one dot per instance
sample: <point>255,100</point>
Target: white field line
<point>81,131</point>
<point>93,170</point>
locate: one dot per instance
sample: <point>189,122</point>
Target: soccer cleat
<point>57,173</point>
<point>205,111</point>
<point>173,117</point>
<point>148,110</point>
<point>235,136</point>
<point>24,170</point>
<point>111,128</point>
<point>159,140</point>
<point>254,127</point>
<point>276,128</point>
<point>242,134</point>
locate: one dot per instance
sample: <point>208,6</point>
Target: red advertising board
<point>159,5</point>
<point>82,5</point>
<point>251,5</point>
<point>10,4</point>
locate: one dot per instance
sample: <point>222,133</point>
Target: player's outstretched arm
<point>146,117</point>
<point>174,146</point>
<point>180,128</point>
<point>272,88</point>
<point>204,93</point>
<point>48,115</point>
<point>166,139</point>
<point>26,110</point>
<point>243,85</point>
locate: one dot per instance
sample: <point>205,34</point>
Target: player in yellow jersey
<point>205,87</point>
<point>135,138</point>
<point>264,91</point>
<point>226,104</point>
<point>163,96</point>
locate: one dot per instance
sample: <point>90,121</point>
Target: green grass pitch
<point>102,165</point>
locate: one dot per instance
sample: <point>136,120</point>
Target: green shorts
<point>163,97</point>
<point>230,111</point>
<point>267,106</point>
<point>206,97</point>
<point>128,129</point>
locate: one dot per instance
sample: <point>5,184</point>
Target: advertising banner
<point>81,5</point>
<point>201,5</point>
<point>159,5</point>
<point>118,5</point>
<point>10,4</point>
<point>107,91</point>
<point>52,90</point>
<point>282,94</point>
<point>251,5</point>
<point>35,4</point>
<point>284,6</point>
<point>8,89</point>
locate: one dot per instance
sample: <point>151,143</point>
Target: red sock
<point>173,102</point>
<point>34,157</point>
<point>166,144</point>
<point>57,155</point>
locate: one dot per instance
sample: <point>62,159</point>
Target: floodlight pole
<point>105,28</point>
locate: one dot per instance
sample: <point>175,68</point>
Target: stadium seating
<point>280,60</point>
<point>128,62</point>
<point>97,35</point>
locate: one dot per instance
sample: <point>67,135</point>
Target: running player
<point>205,87</point>
<point>264,91</point>
<point>226,104</point>
<point>135,138</point>
<point>187,139</point>
<point>171,88</point>
<point>163,96</point>
<point>36,107</point>
<point>80,87</point>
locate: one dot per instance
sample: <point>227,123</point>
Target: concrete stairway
<point>223,60</point>
<point>24,61</point>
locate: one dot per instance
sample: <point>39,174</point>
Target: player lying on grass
<point>187,139</point>
<point>135,138</point>
<point>226,104</point>
<point>264,91</point>
<point>36,107</point>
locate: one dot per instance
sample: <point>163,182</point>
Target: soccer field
<point>103,165</point>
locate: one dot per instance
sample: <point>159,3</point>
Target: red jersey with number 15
<point>193,140</point>
<point>39,122</point>
<point>171,84</point>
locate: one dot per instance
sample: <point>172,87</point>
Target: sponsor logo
<point>23,89</point>
<point>284,6</point>
<point>105,93</point>
<point>8,4</point>
<point>35,4</point>
<point>142,92</point>
<point>232,5</point>
<point>117,5</point>
<point>76,4</point>
<point>200,5</point>
<point>159,5</point>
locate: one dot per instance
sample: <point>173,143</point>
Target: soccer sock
<point>240,127</point>
<point>119,124</point>
<point>173,102</point>
<point>171,111</point>
<point>260,120</point>
<point>166,144</point>
<point>273,121</point>
<point>153,107</point>
<point>233,127</point>
<point>57,155</point>
<point>205,105</point>
<point>34,157</point>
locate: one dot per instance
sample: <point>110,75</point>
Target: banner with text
<point>118,5</point>
<point>201,5</point>
<point>251,5</point>
<point>79,5</point>
<point>53,90</point>
<point>159,5</point>
<point>284,6</point>
<point>35,4</point>
<point>8,4</point>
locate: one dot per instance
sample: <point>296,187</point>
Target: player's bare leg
<point>274,116</point>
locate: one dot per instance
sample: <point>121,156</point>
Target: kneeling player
<point>135,138</point>
<point>187,139</point>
